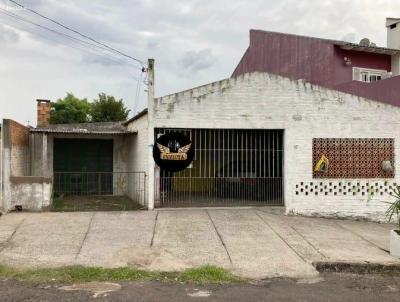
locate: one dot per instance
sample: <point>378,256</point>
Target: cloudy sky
<point>193,42</point>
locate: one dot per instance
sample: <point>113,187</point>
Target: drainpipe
<point>150,123</point>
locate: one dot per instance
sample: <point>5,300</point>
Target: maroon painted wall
<point>387,91</point>
<point>344,74</point>
<point>290,56</point>
<point>318,61</point>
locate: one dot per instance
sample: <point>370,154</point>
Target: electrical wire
<point>137,96</point>
<point>85,43</point>
<point>95,49</point>
<point>77,32</point>
<point>86,50</point>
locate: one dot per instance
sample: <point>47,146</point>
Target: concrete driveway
<point>250,242</point>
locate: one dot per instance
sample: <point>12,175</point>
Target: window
<point>369,75</point>
<point>374,77</point>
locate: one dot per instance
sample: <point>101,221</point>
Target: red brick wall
<point>43,112</point>
<point>19,141</point>
<point>19,134</point>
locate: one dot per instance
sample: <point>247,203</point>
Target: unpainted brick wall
<point>43,113</point>
<point>19,135</point>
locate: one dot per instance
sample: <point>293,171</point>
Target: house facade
<point>362,69</point>
<point>282,131</point>
<point>49,161</point>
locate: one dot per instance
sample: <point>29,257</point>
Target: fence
<point>129,184</point>
<point>231,167</point>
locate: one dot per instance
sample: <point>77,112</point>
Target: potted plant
<point>394,210</point>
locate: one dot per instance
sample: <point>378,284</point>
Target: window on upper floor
<point>369,75</point>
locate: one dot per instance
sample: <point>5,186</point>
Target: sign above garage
<point>173,151</point>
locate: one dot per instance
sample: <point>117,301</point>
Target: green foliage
<point>394,208</point>
<point>70,109</point>
<point>108,109</point>
<point>58,204</point>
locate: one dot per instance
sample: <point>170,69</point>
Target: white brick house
<point>304,112</point>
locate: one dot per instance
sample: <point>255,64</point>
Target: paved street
<point>327,287</point>
<point>252,243</point>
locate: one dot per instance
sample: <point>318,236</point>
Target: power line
<point>77,32</point>
<point>47,28</point>
<point>85,43</point>
<point>137,96</point>
<point>88,50</point>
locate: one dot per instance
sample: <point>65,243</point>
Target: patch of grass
<point>94,203</point>
<point>208,274</point>
<point>58,204</point>
<point>70,274</point>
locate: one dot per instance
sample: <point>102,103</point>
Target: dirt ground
<point>326,287</point>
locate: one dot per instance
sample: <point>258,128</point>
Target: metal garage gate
<point>232,167</point>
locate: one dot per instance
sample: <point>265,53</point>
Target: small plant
<point>207,274</point>
<point>394,208</point>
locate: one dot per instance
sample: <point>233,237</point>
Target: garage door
<point>232,167</point>
<point>83,166</point>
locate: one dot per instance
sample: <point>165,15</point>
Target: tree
<point>107,109</point>
<point>70,109</point>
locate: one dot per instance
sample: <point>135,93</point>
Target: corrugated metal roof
<point>80,131</point>
<point>110,128</point>
<point>371,49</point>
<point>135,117</point>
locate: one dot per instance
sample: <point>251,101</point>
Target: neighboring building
<point>78,159</point>
<point>361,69</point>
<point>280,132</point>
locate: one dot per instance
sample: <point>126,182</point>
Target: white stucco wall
<point>33,195</point>
<point>304,111</point>
<point>138,159</point>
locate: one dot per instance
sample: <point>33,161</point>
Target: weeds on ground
<point>208,274</point>
<point>76,274</point>
<point>58,204</point>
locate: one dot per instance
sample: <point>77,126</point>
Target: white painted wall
<point>393,41</point>
<point>304,111</point>
<point>33,196</point>
<point>393,34</point>
<point>138,159</point>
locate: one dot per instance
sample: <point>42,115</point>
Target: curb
<point>356,267</point>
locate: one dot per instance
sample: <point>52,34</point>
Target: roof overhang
<point>370,49</point>
<point>136,117</point>
<point>80,131</point>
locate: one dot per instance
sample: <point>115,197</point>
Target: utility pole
<point>150,123</point>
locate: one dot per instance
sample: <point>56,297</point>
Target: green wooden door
<point>83,166</point>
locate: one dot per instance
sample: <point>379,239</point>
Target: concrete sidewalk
<point>250,242</point>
